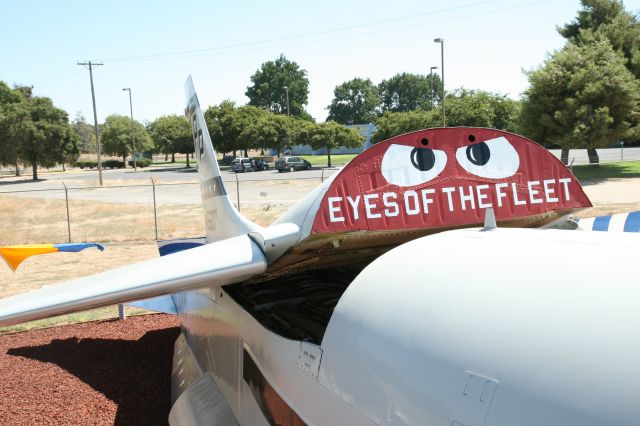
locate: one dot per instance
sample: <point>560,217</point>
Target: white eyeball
<point>404,165</point>
<point>494,159</point>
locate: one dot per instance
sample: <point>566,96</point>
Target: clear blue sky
<point>152,46</point>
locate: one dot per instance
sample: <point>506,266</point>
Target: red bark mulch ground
<point>100,373</point>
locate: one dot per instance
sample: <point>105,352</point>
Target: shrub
<point>113,164</point>
<point>141,162</point>
<point>87,164</point>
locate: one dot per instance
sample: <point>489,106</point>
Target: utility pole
<point>133,137</point>
<point>95,114</point>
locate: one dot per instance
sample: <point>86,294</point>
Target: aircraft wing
<point>223,262</point>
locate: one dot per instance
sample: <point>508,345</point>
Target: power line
<point>55,78</point>
<point>203,52</point>
<point>63,72</point>
<point>55,73</point>
<point>253,44</point>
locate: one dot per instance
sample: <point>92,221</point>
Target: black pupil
<point>423,159</point>
<point>478,154</point>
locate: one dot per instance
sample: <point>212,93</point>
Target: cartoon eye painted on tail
<point>494,159</point>
<point>407,165</point>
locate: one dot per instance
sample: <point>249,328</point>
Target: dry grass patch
<point>607,209</point>
<point>39,271</point>
<point>105,313</point>
<point>37,220</point>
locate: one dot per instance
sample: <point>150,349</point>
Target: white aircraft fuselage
<point>461,328</point>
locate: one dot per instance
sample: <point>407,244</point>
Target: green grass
<point>192,163</point>
<point>100,314</point>
<point>336,159</point>
<point>627,169</point>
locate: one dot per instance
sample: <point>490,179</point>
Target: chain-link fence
<point>163,210</point>
<point>140,212</point>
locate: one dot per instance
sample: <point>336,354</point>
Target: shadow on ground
<point>16,182</point>
<point>135,374</point>
<point>191,169</point>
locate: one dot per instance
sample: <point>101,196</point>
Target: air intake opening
<point>297,306</point>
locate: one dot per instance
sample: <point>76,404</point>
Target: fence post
<point>238,191</point>
<point>155,213</point>
<point>322,176</point>
<point>122,313</point>
<point>66,196</point>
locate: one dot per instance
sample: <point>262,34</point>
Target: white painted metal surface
<point>218,331</point>
<point>200,405</point>
<point>304,211</point>
<point>502,327</point>
<point>224,262</point>
<point>276,239</point>
<point>222,219</point>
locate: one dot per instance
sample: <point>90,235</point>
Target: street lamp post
<point>133,137</point>
<point>431,84</point>
<point>441,41</point>
<point>286,89</point>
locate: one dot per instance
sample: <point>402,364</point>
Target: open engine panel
<point>296,306</point>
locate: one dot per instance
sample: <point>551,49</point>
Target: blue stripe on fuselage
<point>601,223</point>
<point>632,224</point>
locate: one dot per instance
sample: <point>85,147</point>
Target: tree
<point>582,97</point>
<point>33,130</point>
<point>269,131</point>
<point>329,135</point>
<point>607,18</point>
<point>247,116</point>
<point>408,92</point>
<point>171,134</point>
<point>355,102</point>
<point>464,108</point>
<point>391,124</point>
<point>85,133</point>
<point>47,138</point>
<point>268,87</point>
<point>482,109</point>
<point>13,113</point>
<point>223,122</point>
<point>116,137</point>
<point>8,95</point>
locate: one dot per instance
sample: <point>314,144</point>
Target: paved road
<point>173,186</point>
<point>170,174</point>
<point>579,156</point>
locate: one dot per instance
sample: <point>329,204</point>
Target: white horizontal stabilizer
<point>216,264</point>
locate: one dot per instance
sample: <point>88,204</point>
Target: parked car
<point>241,165</point>
<point>259,165</point>
<point>292,164</point>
